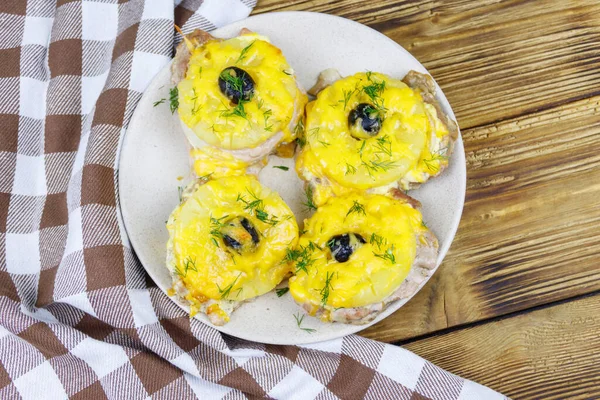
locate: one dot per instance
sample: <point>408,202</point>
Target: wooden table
<point>515,304</point>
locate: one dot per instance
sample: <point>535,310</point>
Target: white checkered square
<point>297,385</point>
<point>475,391</point>
<point>91,86</point>
<point>33,98</point>
<point>37,31</point>
<point>102,357</point>
<point>30,177</point>
<point>401,365</point>
<point>145,66</point>
<point>205,389</point>
<point>23,253</point>
<point>213,11</point>
<point>75,235</point>
<point>158,9</point>
<point>143,311</point>
<point>99,20</point>
<point>40,383</point>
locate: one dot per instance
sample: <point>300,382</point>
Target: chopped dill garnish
<point>174,99</point>
<point>347,96</point>
<point>287,73</point>
<point>159,102</point>
<point>238,110</point>
<point>326,289</point>
<point>374,90</point>
<point>424,224</point>
<point>350,169</point>
<point>188,264</point>
<point>244,52</point>
<point>377,240</point>
<point>302,257</point>
<point>324,143</point>
<point>180,193</point>
<point>378,165</point>
<point>281,167</point>
<point>299,320</point>
<point>282,291</point>
<point>227,290</point>
<point>267,114</point>
<point>387,255</point>
<point>362,147</point>
<point>437,156</point>
<point>314,131</point>
<point>299,132</point>
<point>384,145</point>
<point>257,206</point>
<point>309,199</point>
<point>356,208</point>
<point>215,229</point>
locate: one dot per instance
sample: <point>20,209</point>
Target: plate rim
<point>458,146</point>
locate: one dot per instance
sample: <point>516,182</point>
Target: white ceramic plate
<point>154,156</point>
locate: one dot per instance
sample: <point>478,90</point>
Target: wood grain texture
<point>494,60</point>
<point>529,233</point>
<point>552,353</point>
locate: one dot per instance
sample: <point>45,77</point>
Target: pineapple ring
<point>273,106</point>
<point>381,253</point>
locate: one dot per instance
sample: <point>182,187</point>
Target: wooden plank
<point>529,233</point>
<point>551,353</point>
<point>493,59</point>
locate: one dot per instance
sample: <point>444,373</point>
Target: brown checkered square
<point>45,294</point>
<point>110,107</point>
<point>10,129</point>
<point>55,211</point>
<point>64,57</point>
<point>351,380</point>
<point>98,185</point>
<point>104,267</point>
<point>13,7</point>
<point>125,41</point>
<point>154,372</point>
<point>42,337</point>
<point>4,205</point>
<point>95,390</point>
<point>179,330</point>
<point>4,378</point>
<point>240,379</point>
<point>62,133</point>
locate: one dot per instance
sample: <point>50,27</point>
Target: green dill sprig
<point>299,133</point>
<point>374,91</point>
<point>188,264</point>
<point>215,229</point>
<point>439,156</point>
<point>302,257</point>
<point>281,167</point>
<point>280,292</point>
<point>266,115</point>
<point>159,102</point>
<point>384,145</point>
<point>244,52</point>
<point>174,99</point>
<point>377,240</point>
<point>227,289</point>
<point>180,193</point>
<point>350,169</point>
<point>299,320</point>
<point>286,72</point>
<point>424,224</point>
<point>374,166</point>
<point>347,96</point>
<point>309,199</point>
<point>256,206</point>
<point>325,291</point>
<point>387,255</point>
<point>356,208</point>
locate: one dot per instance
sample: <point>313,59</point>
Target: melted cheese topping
<point>374,271</point>
<point>216,163</point>
<point>206,266</point>
<point>273,108</point>
<point>406,143</point>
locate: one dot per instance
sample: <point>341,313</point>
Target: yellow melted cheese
<point>387,225</point>
<point>275,106</point>
<point>206,266</point>
<point>215,163</point>
<point>406,142</point>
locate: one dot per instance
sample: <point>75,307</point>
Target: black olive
<point>231,242</point>
<point>342,246</point>
<point>236,84</point>
<point>250,229</point>
<point>240,235</point>
<point>367,116</point>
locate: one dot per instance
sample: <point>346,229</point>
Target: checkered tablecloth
<point>78,315</point>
